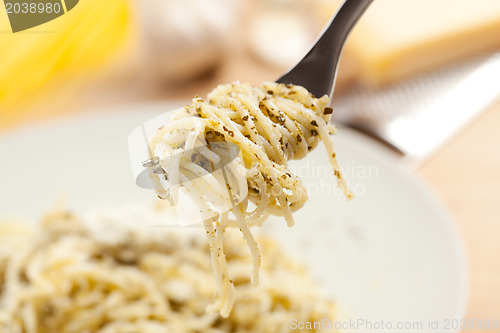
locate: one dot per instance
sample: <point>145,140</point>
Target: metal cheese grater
<point>417,116</point>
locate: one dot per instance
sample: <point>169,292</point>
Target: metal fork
<point>317,71</point>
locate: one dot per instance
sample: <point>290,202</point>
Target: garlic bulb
<point>186,38</point>
<point>280,37</point>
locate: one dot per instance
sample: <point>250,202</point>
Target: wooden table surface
<point>465,174</point>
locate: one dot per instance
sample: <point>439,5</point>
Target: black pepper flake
<point>309,148</point>
<point>328,110</point>
<point>270,92</point>
<point>299,138</point>
<point>314,123</point>
<point>314,132</point>
<point>266,179</point>
<point>225,128</point>
<point>245,118</point>
<point>199,112</point>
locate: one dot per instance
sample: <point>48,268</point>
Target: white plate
<point>391,256</point>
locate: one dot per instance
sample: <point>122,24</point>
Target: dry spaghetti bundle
<point>269,124</point>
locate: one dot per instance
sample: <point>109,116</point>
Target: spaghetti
<point>270,124</point>
<point>107,273</point>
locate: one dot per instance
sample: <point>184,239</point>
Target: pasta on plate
<point>110,274</point>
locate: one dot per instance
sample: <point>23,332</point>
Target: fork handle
<point>317,71</point>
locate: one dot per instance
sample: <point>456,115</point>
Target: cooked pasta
<point>270,124</point>
<point>108,275</point>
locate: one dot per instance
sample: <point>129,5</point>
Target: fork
<point>317,71</point>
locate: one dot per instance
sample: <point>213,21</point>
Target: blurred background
<point>402,53</point>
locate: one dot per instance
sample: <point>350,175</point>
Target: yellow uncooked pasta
<point>270,124</point>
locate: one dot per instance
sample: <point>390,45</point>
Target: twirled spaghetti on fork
<point>270,124</point>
